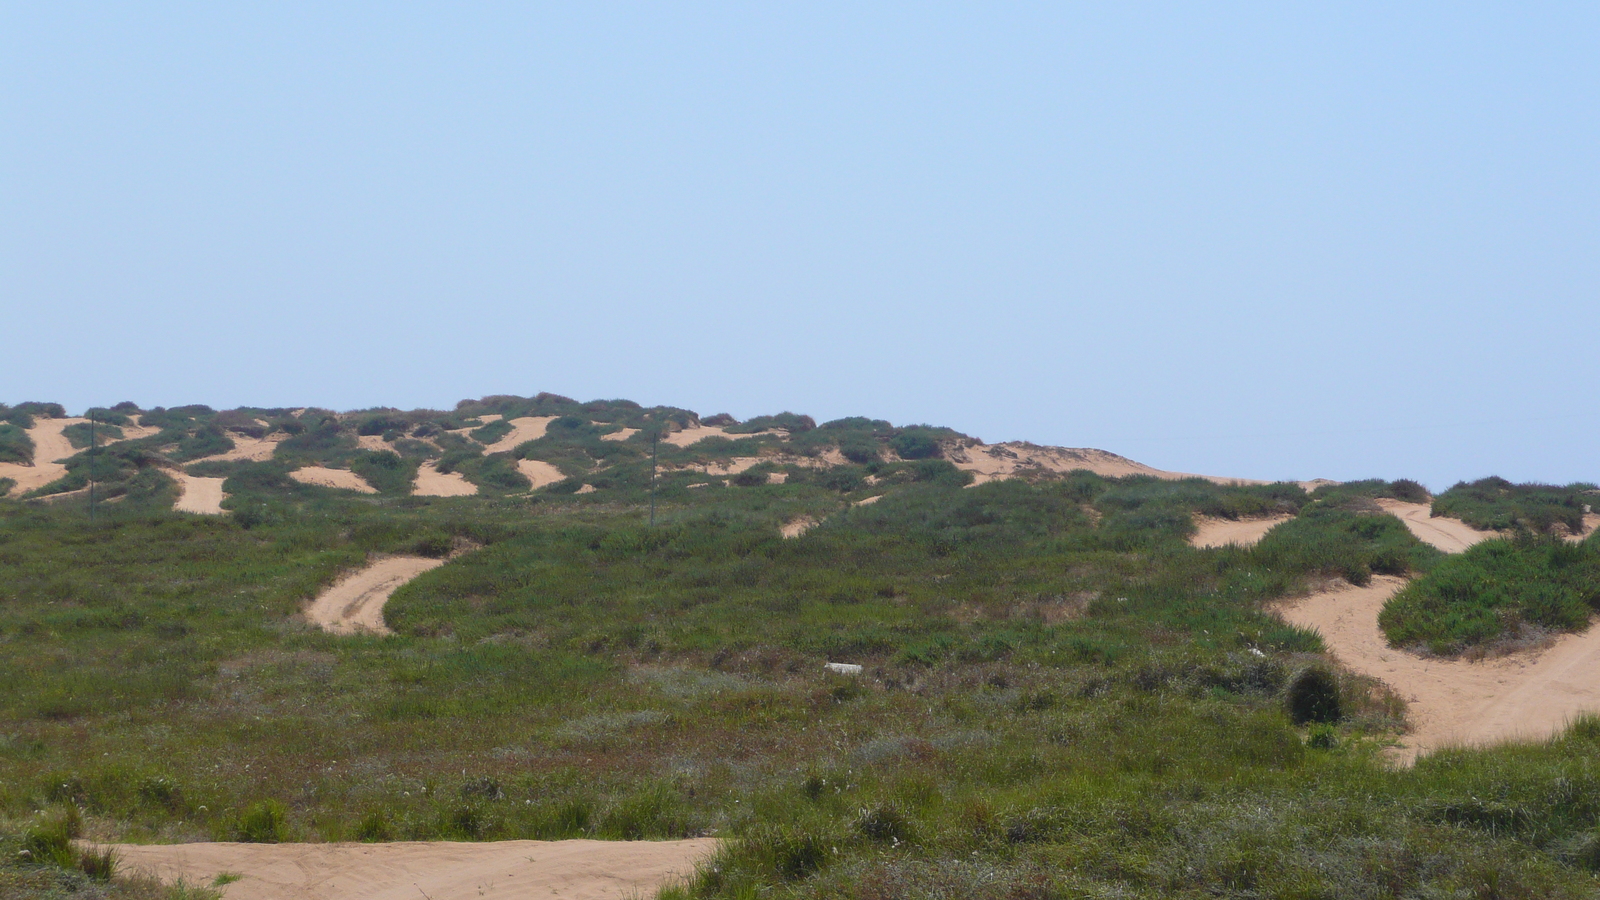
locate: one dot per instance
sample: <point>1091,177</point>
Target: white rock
<point>843,668</point>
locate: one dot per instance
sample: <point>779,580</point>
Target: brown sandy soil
<point>699,433</point>
<point>355,602</point>
<point>524,429</point>
<point>1524,696</point>
<point>1449,535</point>
<point>1222,532</point>
<point>541,473</point>
<point>1591,521</point>
<point>442,870</point>
<point>868,502</point>
<point>777,477</point>
<point>198,495</point>
<point>622,435</point>
<point>727,467</point>
<point>49,445</point>
<point>988,462</point>
<point>343,479</point>
<point>433,483</point>
<point>586,489</point>
<point>797,527</point>
<point>373,442</point>
<point>249,449</point>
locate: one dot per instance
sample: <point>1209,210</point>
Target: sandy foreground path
<point>440,870</point>
<point>198,495</point>
<point>1222,532</point>
<point>1449,535</point>
<point>355,602</point>
<point>1530,695</point>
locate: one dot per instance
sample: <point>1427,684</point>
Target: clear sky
<point>1269,240</point>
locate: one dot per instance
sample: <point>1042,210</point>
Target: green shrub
<point>385,470</point>
<point>79,434</point>
<point>1495,504</point>
<point>491,432</point>
<point>1312,695</point>
<point>49,839</point>
<point>916,442</point>
<point>15,445</point>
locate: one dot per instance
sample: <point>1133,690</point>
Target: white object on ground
<point>843,668</point>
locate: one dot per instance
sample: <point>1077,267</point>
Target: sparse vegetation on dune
<point>1059,696</point>
<point>1495,504</point>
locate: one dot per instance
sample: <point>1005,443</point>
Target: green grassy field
<point>1060,697</point>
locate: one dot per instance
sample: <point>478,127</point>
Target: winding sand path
<point>431,482</point>
<point>49,445</point>
<point>1211,532</point>
<point>342,479</point>
<point>355,603</point>
<point>1449,535</point>
<point>1524,696</point>
<point>541,473</point>
<point>198,495</point>
<point>698,433</point>
<point>438,870</point>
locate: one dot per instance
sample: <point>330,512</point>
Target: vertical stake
<point>655,436</point>
<point>91,466</point>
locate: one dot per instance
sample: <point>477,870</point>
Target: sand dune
<point>1449,535</point>
<point>442,870</point>
<point>344,479</point>
<point>797,527</point>
<point>248,449</point>
<point>1529,695</point>
<point>198,495</point>
<point>355,603</point>
<point>622,435</point>
<point>541,473</point>
<point>988,462</point>
<point>49,446</point>
<point>524,429</point>
<point>698,433</point>
<point>1222,532</point>
<point>431,482</point>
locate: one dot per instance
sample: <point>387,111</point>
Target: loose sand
<point>988,462</point>
<point>249,449</point>
<point>868,501</point>
<point>797,527</point>
<point>1222,532</point>
<point>586,489</point>
<point>355,602</point>
<point>433,483</point>
<point>1449,535</point>
<point>524,429</point>
<point>442,870</point>
<point>1529,695</point>
<point>622,435</point>
<point>198,495</point>
<point>49,445</point>
<point>343,479</point>
<point>541,473</point>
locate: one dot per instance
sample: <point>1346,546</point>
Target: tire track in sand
<point>354,604</point>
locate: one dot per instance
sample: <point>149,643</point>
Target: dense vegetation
<point>1495,504</point>
<point>1499,593</point>
<point>1060,696</point>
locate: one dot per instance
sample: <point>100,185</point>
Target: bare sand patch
<point>797,527</point>
<point>198,495</point>
<point>431,482</point>
<point>622,435</point>
<point>1449,535</point>
<point>726,467</point>
<point>1211,532</point>
<point>49,446</point>
<point>541,473</point>
<point>698,433</point>
<point>524,429</point>
<point>249,449</point>
<point>373,442</point>
<point>585,489</point>
<point>343,479</point>
<point>1529,695</point>
<point>988,462</point>
<point>439,870</point>
<point>355,602</point>
<point>1591,521</point>
<point>869,501</point>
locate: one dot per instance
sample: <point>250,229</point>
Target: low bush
<point>1312,695</point>
<point>263,822</point>
<point>79,434</point>
<point>1495,504</point>
<point>15,444</point>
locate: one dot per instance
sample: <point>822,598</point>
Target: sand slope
<point>988,462</point>
<point>1449,535</point>
<point>541,473</point>
<point>343,479</point>
<point>443,870</point>
<point>622,435</point>
<point>198,495</point>
<point>524,429</point>
<point>355,602</point>
<point>699,433</point>
<point>431,482</point>
<point>49,445</point>
<point>1222,532</point>
<point>1529,695</point>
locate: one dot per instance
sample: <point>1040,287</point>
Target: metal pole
<point>91,467</point>
<point>655,436</point>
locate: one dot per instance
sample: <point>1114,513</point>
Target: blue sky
<point>1268,240</point>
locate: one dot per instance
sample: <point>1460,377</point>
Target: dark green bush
<point>1312,695</point>
<point>264,822</point>
<point>15,444</point>
<point>1495,504</point>
<point>916,442</point>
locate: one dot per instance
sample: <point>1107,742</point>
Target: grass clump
<point>1312,696</point>
<point>15,444</point>
<point>1497,592</point>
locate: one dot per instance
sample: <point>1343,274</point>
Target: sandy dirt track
<point>343,479</point>
<point>1449,535</point>
<point>541,473</point>
<point>699,433</point>
<point>431,482</point>
<point>524,429</point>
<point>1222,532</point>
<point>355,603</point>
<point>1529,695</point>
<point>199,495</point>
<point>440,870</point>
